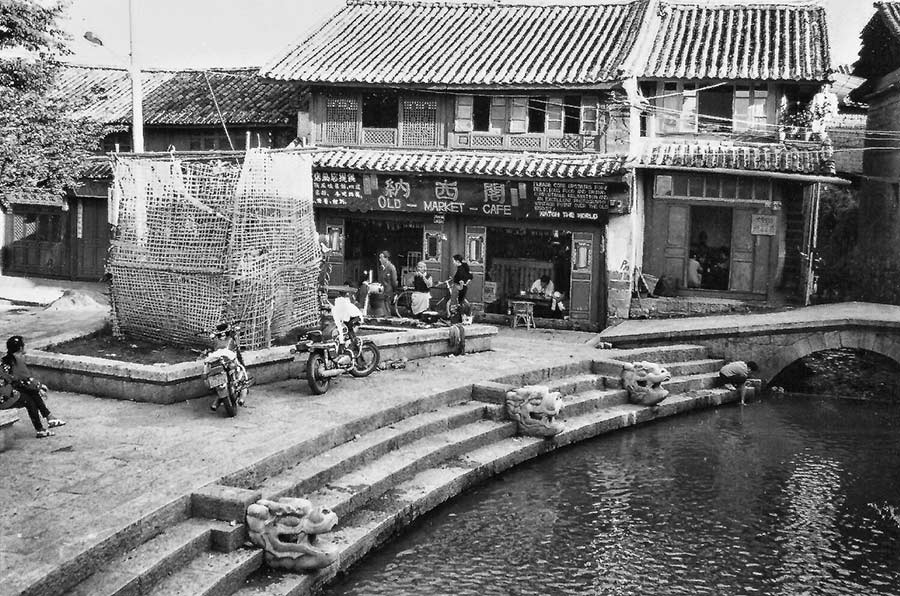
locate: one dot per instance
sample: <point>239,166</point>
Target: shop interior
<point>365,238</point>
<point>517,257</point>
<point>709,259</point>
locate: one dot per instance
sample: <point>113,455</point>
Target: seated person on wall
<point>543,287</point>
<point>18,389</point>
<point>421,282</point>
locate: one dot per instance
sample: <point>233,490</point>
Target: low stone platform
<point>171,383</point>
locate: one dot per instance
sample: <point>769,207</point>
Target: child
<point>734,375</point>
<point>14,371</point>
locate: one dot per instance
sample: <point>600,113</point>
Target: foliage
<point>43,145</point>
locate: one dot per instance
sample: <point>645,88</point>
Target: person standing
<point>461,279</point>
<point>14,371</point>
<point>387,277</point>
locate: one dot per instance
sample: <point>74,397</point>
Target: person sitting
<point>734,375</point>
<point>421,296</point>
<point>14,373</point>
<point>694,272</point>
<point>542,287</point>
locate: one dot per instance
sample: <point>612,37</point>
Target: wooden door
<point>580,303</point>
<point>675,250</point>
<point>476,247</point>
<point>433,250</point>
<point>91,238</point>
<point>749,255</point>
<point>334,239</point>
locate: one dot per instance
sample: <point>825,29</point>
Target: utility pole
<point>137,92</point>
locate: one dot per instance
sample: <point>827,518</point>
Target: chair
<point>522,311</point>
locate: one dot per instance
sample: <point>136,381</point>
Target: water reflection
<point>769,499</point>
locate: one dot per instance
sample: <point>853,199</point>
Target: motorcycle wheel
<point>230,399</point>
<point>317,384</point>
<point>367,361</point>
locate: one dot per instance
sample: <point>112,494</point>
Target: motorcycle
<point>335,348</point>
<point>224,371</point>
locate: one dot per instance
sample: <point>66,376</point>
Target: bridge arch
<point>861,339</point>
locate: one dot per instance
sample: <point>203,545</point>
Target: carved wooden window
<point>419,127</point>
<point>582,255</point>
<point>431,247</point>
<point>463,121</point>
<point>342,120</point>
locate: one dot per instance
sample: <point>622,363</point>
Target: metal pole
<point>137,99</point>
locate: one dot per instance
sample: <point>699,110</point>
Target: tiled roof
<point>879,53</point>
<point>889,12</point>
<point>811,159</point>
<point>97,168</point>
<point>482,42</point>
<point>512,165</point>
<point>181,97</point>
<point>754,40</point>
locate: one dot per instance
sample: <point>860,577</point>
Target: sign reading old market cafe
<point>493,198</point>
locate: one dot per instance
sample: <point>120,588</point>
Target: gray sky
<point>203,33</point>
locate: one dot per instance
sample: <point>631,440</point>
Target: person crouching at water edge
<point>734,375</point>
<point>18,389</point>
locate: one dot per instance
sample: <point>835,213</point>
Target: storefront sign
<point>575,201</point>
<point>762,225</point>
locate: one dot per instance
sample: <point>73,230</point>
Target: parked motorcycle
<point>335,348</point>
<point>224,371</point>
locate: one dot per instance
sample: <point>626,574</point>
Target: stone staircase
<point>379,479</point>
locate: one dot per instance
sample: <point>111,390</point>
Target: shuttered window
<point>518,114</point>
<point>465,105</point>
<point>590,115</point>
<point>555,116</point>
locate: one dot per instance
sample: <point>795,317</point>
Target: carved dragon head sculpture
<point>288,530</point>
<point>535,409</point>
<point>644,380</point>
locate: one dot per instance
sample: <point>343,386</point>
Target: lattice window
<point>342,120</point>
<point>566,143</point>
<point>379,136</point>
<point>516,142</point>
<point>21,229</point>
<point>419,123</point>
<point>492,141</point>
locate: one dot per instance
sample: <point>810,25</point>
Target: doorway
<point>710,247</point>
<point>365,238</point>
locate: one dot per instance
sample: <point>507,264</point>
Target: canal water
<point>787,496</point>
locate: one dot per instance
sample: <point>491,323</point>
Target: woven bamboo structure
<point>205,240</point>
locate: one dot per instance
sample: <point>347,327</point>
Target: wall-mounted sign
<point>762,225</point>
<point>575,201</point>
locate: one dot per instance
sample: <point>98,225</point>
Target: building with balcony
<point>184,110</point>
<point>590,141</point>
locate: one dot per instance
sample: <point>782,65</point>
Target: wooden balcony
<point>527,142</point>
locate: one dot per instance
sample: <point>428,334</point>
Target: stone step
<point>590,400</point>
<point>309,474</point>
<point>694,367</point>
<point>663,354</point>
<point>255,474</point>
<point>368,527</point>
<point>575,384</point>
<point>138,570</point>
<point>356,488</point>
<point>690,383</point>
<point>211,574</point>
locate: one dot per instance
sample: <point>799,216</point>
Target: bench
<point>7,433</point>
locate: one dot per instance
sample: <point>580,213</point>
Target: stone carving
<point>535,409</point>
<point>644,380</point>
<point>288,530</point>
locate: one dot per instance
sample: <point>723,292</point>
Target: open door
<point>476,237</point>
<point>580,304</point>
<point>810,243</point>
<point>334,239</point>
<point>677,232</point>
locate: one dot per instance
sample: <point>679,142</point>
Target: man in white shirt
<point>543,286</point>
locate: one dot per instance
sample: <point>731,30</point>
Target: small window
<point>380,110</point>
<point>537,114</point>
<point>481,113</point>
<point>715,109</point>
<point>663,186</point>
<point>572,114</point>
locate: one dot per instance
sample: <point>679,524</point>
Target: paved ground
<point>116,459</point>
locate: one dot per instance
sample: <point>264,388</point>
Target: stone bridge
<point>773,340</point>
